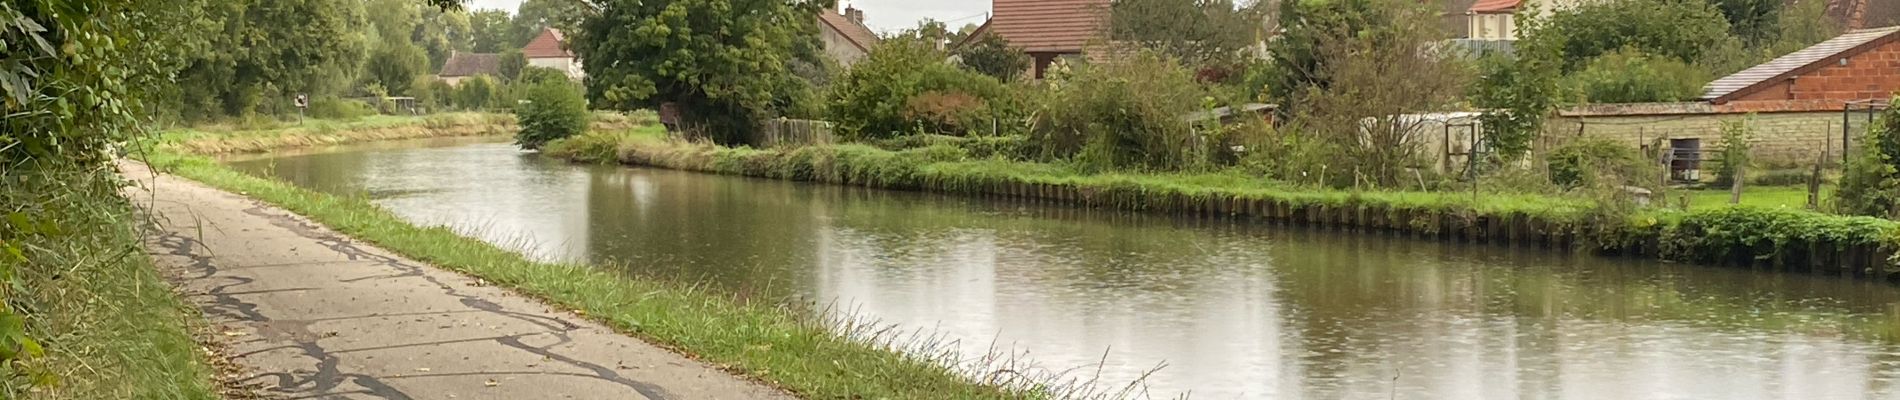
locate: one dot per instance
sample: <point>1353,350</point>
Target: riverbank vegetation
<point>1165,118</point>
<point>83,315</point>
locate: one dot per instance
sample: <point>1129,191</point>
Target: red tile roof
<point>1796,63</point>
<point>857,33</point>
<point>1495,6</point>
<point>471,64</point>
<point>550,44</point>
<point>1049,25</point>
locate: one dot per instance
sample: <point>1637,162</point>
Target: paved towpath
<point>310,313</point>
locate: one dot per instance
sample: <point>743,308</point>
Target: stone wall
<point>1792,135</point>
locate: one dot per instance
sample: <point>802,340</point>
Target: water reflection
<point>1233,310</point>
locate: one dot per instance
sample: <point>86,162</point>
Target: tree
<point>1195,31</point>
<point>1754,21</point>
<point>395,66</point>
<point>1378,76</point>
<point>552,110</point>
<point>478,93</point>
<point>904,86</point>
<point>1684,30</point>
<point>511,64</point>
<point>491,31</point>
<point>563,15</point>
<point>725,73</point>
<point>442,33</point>
<point>267,51</point>
<point>993,56</point>
<point>1518,93</point>
<point>1631,76</point>
<point>1298,68</point>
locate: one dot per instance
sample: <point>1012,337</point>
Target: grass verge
<point>787,346</point>
<point>1749,234</point>
<point>89,296</point>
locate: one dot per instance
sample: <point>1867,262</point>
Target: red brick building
<point>1859,65</point>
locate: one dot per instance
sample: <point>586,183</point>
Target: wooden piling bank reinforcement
<point>1854,260</point>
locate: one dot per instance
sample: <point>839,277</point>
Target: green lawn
<point>1792,197</point>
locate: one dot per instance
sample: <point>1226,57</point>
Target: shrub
<point>993,56</point>
<point>1631,76</point>
<point>1735,152</point>
<point>478,93</point>
<point>1783,177</point>
<point>1594,162</point>
<point>537,75</point>
<point>1126,114</point>
<point>1871,183</point>
<point>553,110</point>
<point>335,108</point>
<point>906,87</point>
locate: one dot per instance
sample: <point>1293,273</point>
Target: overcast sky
<point>881,15</point>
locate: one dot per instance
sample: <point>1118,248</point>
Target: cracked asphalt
<point>310,313</point>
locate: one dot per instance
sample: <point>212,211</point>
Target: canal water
<point>1223,309</point>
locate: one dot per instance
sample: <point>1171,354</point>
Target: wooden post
<point>1814,182</point>
<point>1735,188</point>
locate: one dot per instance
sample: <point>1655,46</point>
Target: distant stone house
<point>462,66</point>
<point>846,38</point>
<point>549,50</point>
<point>1046,29</point>
<point>1799,103</point>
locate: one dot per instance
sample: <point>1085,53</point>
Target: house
<point>549,50</point>
<point>1497,19</point>
<point>1803,105</point>
<point>466,65</point>
<point>846,38</point>
<point>1046,29</point>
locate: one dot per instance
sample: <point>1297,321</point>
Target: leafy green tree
<point>1195,31</point>
<point>905,86</point>
<point>993,56</point>
<point>267,51</point>
<point>550,111</point>
<point>563,15</point>
<point>442,33</point>
<point>511,64</point>
<point>725,71</point>
<point>539,75</point>
<point>1754,21</point>
<point>1683,30</point>
<point>1631,76</point>
<point>478,93</point>
<point>1296,60</point>
<point>395,66</point>
<point>491,31</point>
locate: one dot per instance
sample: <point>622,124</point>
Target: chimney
<point>854,14</point>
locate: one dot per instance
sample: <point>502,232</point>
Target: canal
<point>1223,309</point>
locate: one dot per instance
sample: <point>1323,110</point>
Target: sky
<point>881,15</point>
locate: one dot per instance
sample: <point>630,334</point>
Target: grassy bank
<point>224,139</point>
<point>788,346</point>
<point>1749,234</point>
<point>109,327</point>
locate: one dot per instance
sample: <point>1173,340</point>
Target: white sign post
<point>303,102</point>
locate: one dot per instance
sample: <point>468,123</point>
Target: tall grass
<point>111,328</point>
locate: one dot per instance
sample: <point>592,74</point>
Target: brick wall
<point>1794,138</point>
<point>1874,74</point>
